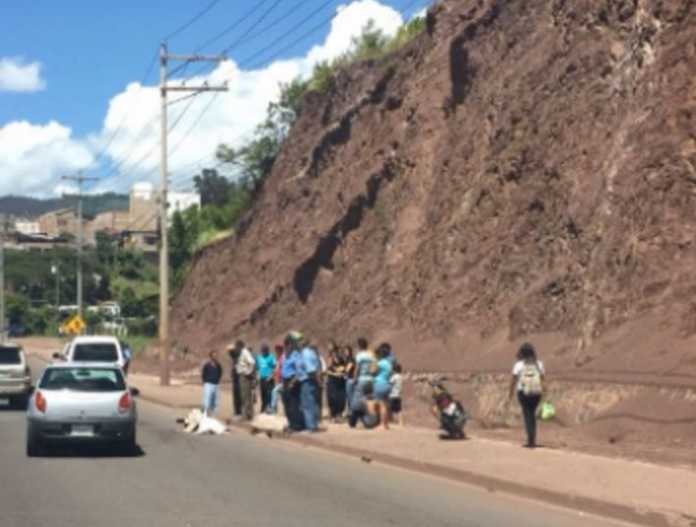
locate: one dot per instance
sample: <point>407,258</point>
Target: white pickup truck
<point>96,349</point>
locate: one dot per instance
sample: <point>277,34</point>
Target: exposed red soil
<point>524,170</point>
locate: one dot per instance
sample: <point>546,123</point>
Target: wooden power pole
<point>80,179</point>
<point>165,57</point>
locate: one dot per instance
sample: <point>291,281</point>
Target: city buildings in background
<point>137,226</point>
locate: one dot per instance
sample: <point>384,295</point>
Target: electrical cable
<point>191,21</point>
<point>217,37</point>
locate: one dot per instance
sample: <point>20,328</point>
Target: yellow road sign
<point>75,325</point>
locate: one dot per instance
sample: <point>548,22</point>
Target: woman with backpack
<point>528,381</point>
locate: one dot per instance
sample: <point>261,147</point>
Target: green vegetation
<point>372,44</point>
<point>38,281</point>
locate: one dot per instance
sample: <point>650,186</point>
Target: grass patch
<point>209,237</point>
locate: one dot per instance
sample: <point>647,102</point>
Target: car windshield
<point>95,352</point>
<point>83,380</point>
<point>10,356</point>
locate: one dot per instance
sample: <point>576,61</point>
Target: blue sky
<point>84,55</point>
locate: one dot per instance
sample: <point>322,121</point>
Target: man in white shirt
<point>246,368</point>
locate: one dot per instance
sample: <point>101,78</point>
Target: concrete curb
<point>588,505</point>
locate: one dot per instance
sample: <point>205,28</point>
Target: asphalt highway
<point>178,480</point>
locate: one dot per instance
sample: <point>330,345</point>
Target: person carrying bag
<point>528,381</point>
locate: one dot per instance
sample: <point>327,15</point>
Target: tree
<point>283,113</point>
<point>106,248</point>
<point>131,305</point>
<point>179,243</point>
<point>254,161</point>
<point>103,291</point>
<point>212,187</point>
<point>370,44</point>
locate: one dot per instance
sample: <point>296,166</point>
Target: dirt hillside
<point>522,170</point>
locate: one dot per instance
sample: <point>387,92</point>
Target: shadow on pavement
<point>92,451</point>
<point>16,406</point>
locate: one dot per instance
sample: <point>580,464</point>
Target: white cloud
<point>33,158</point>
<point>17,75</point>
<point>231,117</point>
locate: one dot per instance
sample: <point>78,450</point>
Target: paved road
<point>179,480</point>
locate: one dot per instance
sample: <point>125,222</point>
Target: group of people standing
<point>364,386</point>
<point>361,387</point>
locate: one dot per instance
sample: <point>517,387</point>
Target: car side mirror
<point>58,356</point>
<point>134,392</point>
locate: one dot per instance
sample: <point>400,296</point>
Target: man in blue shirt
<point>308,375</point>
<point>265,364</point>
<point>291,385</point>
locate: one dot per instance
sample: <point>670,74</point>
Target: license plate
<point>82,430</point>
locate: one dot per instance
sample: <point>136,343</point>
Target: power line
<point>191,21</point>
<point>294,29</point>
<point>148,70</point>
<point>243,38</point>
<point>119,127</point>
<point>217,37</point>
<point>152,150</point>
<point>305,35</point>
<point>249,63</point>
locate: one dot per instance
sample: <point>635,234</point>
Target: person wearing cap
<point>265,365</point>
<point>246,368</point>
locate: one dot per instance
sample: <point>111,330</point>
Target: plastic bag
<point>548,411</point>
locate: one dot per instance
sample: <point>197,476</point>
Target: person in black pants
<point>336,384</point>
<point>234,352</point>
<point>527,380</point>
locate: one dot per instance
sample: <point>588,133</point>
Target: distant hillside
<point>31,207</point>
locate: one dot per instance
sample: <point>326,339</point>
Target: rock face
<point>522,170</point>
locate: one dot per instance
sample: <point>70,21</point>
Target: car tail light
<point>40,402</point>
<point>125,403</point>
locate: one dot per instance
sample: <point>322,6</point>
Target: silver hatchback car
<point>15,375</point>
<point>84,404</point>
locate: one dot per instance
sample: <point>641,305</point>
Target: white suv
<point>15,375</point>
<point>97,350</point>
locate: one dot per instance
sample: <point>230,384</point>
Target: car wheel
<point>34,446</point>
<point>130,446</point>
<point>19,402</point>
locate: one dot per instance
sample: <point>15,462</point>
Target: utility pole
<point>80,180</point>
<point>3,329</point>
<point>163,225</point>
<point>55,270</point>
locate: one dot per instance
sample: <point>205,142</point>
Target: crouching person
<point>363,408</point>
<point>450,413</point>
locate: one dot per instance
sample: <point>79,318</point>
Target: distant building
<point>27,227</point>
<point>59,222</point>
<point>143,209</point>
<point>111,222</point>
